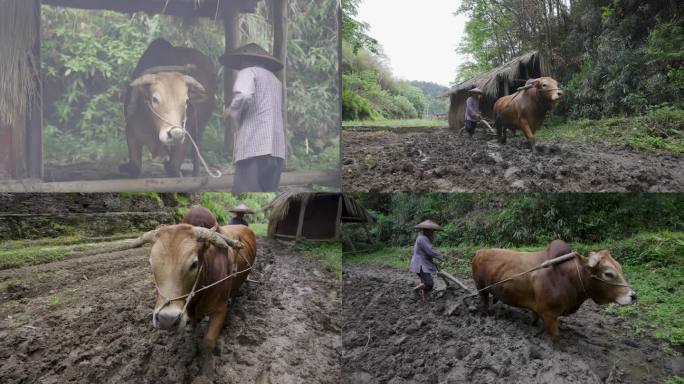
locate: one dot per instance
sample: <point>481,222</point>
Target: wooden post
<point>280,49</point>
<point>300,223</point>
<point>338,218</point>
<point>34,118</point>
<point>5,151</point>
<point>231,30</point>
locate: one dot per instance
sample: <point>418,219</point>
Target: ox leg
<point>214,330</point>
<point>530,136</point>
<point>551,324</point>
<point>176,157</point>
<point>500,131</point>
<point>484,301</point>
<point>134,165</point>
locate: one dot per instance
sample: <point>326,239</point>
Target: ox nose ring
<point>633,296</point>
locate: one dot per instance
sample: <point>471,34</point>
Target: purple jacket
<point>423,255</point>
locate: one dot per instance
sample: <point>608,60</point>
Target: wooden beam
<point>5,151</point>
<point>231,30</point>
<point>183,8</point>
<point>185,184</point>
<point>338,217</point>
<point>34,118</point>
<point>302,212</point>
<point>280,48</point>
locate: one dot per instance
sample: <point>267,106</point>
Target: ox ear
<point>197,92</point>
<point>594,259</point>
<point>144,80</point>
<point>534,82</point>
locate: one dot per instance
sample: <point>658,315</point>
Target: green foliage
<point>370,92</point>
<point>220,204</point>
<point>88,57</point>
<point>329,253</point>
<point>436,102</point>
<point>354,31</point>
<point>398,125</point>
<point>612,58</point>
<point>517,219</point>
<point>659,129</point>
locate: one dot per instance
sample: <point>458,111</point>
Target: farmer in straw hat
<point>423,253</point>
<point>257,112</point>
<point>472,112</point>
<point>240,211</point>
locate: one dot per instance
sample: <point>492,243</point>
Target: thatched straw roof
<point>500,81</point>
<point>18,66</point>
<point>513,73</point>
<point>352,211</point>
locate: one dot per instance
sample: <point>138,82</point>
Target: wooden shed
<point>21,123</point>
<point>500,81</point>
<point>313,216</point>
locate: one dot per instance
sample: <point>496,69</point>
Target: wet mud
<point>441,160</point>
<point>88,320</point>
<point>391,336</point>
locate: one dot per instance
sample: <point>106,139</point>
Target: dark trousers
<point>470,126</point>
<point>257,174</point>
<point>426,279</point>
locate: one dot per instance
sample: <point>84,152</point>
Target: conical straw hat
<point>428,224</point>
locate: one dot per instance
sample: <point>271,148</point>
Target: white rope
<point>171,126</point>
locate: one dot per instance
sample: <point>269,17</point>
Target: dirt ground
<point>415,342</point>
<point>440,160</point>
<point>88,320</point>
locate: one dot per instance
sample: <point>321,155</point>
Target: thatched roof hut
<point>313,216</point>
<point>500,81</point>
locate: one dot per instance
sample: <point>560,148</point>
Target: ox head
<point>176,257</point>
<point>548,87</point>
<point>607,283</point>
<point>167,95</point>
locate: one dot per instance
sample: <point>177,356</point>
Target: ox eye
<point>193,265</point>
<point>155,99</point>
<point>609,275</point>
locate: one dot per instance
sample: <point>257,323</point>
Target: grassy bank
<point>406,123</point>
<point>653,264</point>
<point>329,253</point>
<point>662,129</point>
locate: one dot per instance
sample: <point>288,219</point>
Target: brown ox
<point>525,110</point>
<point>550,292</point>
<point>171,92</point>
<point>200,217</point>
<point>186,258</point>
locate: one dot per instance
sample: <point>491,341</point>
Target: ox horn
<point>144,80</point>
<point>213,237</point>
<point>147,237</point>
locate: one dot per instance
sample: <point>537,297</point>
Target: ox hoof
<point>129,169</point>
<point>171,172</point>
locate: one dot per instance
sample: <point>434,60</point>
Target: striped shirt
<point>472,108</point>
<point>257,109</point>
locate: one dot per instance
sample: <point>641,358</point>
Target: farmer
<point>472,112</point>
<point>240,211</point>
<point>421,262</point>
<point>257,114</point>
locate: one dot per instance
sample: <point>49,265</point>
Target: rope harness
<point>172,126</point>
<point>188,296</point>
<point>548,263</point>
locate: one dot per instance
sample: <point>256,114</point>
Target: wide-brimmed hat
<point>254,52</point>
<point>475,90</point>
<point>429,224</point>
<point>241,209</point>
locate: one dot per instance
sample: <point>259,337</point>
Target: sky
<point>419,38</point>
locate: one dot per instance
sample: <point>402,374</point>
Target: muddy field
<point>390,336</point>
<point>439,160</point>
<point>88,320</point>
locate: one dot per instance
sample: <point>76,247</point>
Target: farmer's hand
<point>226,113</point>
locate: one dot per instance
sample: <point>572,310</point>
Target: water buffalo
<point>550,292</point>
<point>526,109</point>
<point>171,92</point>
<point>184,259</point>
